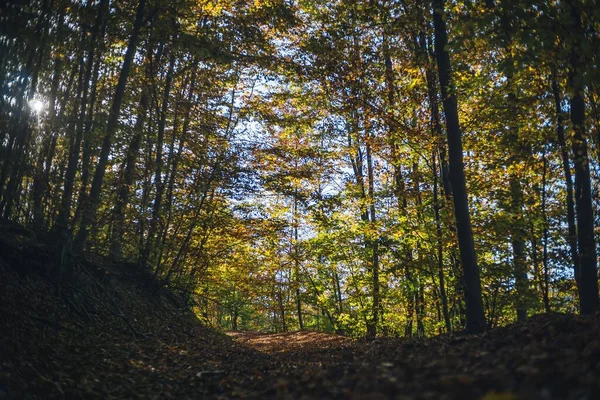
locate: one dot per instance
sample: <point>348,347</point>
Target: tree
<point>89,209</point>
<point>588,273</point>
<point>287,164</point>
<point>475,317</point>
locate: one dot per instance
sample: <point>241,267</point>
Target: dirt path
<point>48,350</point>
<point>550,357</point>
<point>299,342</point>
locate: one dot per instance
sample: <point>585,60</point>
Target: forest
<point>362,170</point>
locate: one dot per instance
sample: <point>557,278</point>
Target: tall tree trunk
<point>75,143</point>
<point>53,134</point>
<point>128,168</point>
<point>410,307</point>
<point>421,309</point>
<point>86,151</point>
<point>158,180</point>
<point>440,246</point>
<point>92,202</point>
<point>176,157</point>
<point>128,175</point>
<point>373,243</point>
<point>566,165</point>
<point>518,247</point>
<point>75,136</point>
<point>40,182</point>
<point>146,189</point>
<point>357,160</point>
<point>16,150</point>
<point>297,262</point>
<point>475,315</point>
<point>515,209</point>
<point>419,289</point>
<point>588,274</point>
<point>436,128</point>
<point>546,279</point>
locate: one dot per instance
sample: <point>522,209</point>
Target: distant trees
<point>373,168</point>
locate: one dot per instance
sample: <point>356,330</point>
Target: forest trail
<point>298,342</point>
<point>552,356</point>
<point>106,335</point>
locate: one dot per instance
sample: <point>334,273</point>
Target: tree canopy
<point>390,167</point>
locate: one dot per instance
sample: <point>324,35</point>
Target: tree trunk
<point>373,243</point>
<point>89,120</point>
<point>410,308</point>
<point>16,157</point>
<point>297,263</point>
<point>518,247</point>
<point>282,311</point>
<point>546,283</point>
<point>40,182</point>
<point>475,315</point>
<point>53,134</point>
<point>158,181</point>
<point>75,143</point>
<point>560,133</point>
<point>92,202</point>
<point>440,246</point>
<point>436,128</point>
<point>127,180</point>
<point>588,274</point>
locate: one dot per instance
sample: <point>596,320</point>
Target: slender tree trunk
<point>436,127</point>
<point>297,262</point>
<point>86,151</point>
<point>53,133</point>
<point>89,210</point>
<point>410,307</point>
<point>146,189</point>
<point>588,274</point>
<point>421,309</point>
<point>177,157</point>
<point>419,289</point>
<point>440,246</point>
<point>86,72</point>
<point>566,165</point>
<point>19,137</point>
<point>546,279</point>
<point>475,315</point>
<point>16,151</point>
<point>339,290</point>
<point>73,154</point>
<point>234,318</point>
<point>374,246</point>
<point>282,310</point>
<point>518,247</point>
<point>517,228</point>
<point>171,168</point>
<point>127,180</point>
<point>40,184</point>
<point>158,180</point>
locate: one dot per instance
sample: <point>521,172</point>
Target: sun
<point>36,105</point>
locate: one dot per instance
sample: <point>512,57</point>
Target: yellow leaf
<point>500,396</point>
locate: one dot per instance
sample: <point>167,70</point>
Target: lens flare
<point>36,105</point>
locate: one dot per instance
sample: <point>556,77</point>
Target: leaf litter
<point>72,339</point>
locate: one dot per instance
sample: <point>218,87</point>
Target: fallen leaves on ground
<point>49,350</point>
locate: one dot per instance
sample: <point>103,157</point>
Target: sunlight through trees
<point>401,168</point>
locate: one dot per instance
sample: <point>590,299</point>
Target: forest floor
<point>101,334</point>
